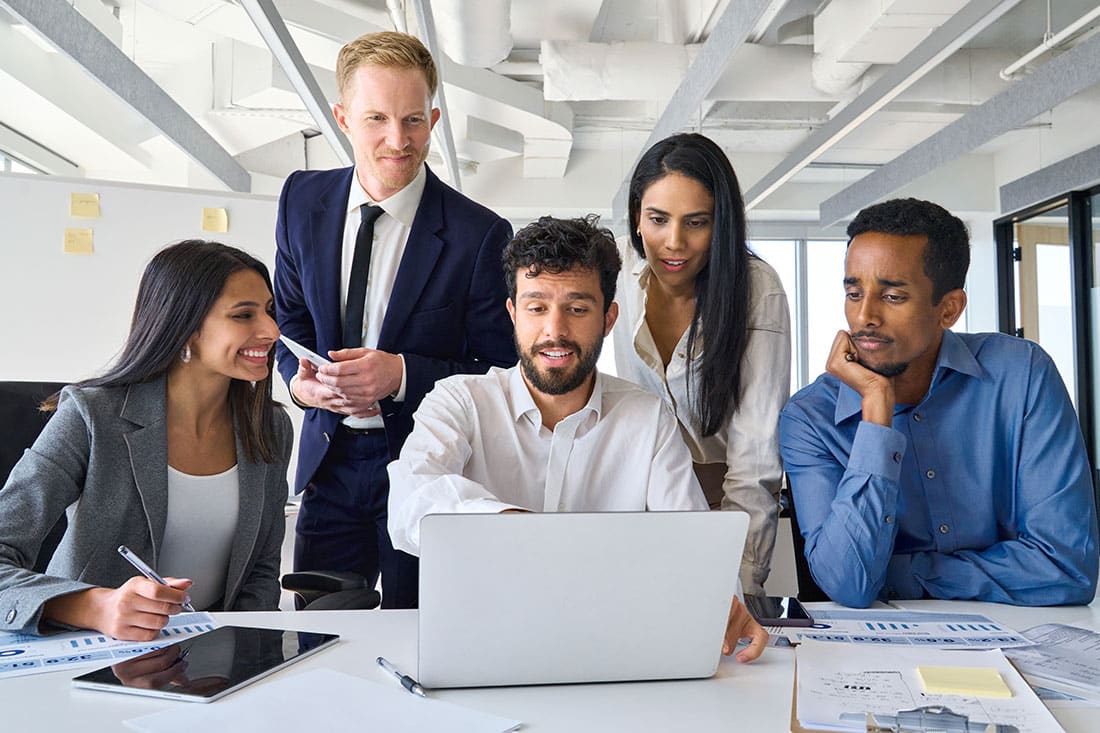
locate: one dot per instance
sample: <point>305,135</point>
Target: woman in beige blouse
<point>704,325</point>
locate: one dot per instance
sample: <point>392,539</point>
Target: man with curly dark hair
<point>930,463</point>
<point>551,434</point>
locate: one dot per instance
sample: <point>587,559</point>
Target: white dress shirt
<point>391,233</point>
<point>748,444</point>
<point>479,445</point>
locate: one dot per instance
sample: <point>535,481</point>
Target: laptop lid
<point>517,599</point>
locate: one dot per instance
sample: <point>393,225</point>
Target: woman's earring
<point>185,353</point>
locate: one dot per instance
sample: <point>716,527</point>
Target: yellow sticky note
<point>84,204</point>
<point>970,681</point>
<point>215,220</point>
<point>78,241</point>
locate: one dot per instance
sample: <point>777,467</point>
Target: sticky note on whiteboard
<point>215,220</point>
<point>78,241</point>
<point>969,681</point>
<point>84,205</point>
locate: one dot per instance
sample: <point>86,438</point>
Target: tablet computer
<point>206,667</point>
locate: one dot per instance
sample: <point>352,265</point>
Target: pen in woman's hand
<point>143,568</point>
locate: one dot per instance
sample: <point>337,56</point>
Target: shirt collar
<point>401,206</point>
<point>954,355</point>
<point>523,404</point>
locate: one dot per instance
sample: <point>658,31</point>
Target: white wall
<point>65,316</point>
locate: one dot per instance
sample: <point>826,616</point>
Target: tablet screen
<point>205,667</point>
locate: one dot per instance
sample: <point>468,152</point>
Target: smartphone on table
<point>778,611</point>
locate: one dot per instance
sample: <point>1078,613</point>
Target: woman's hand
<point>135,611</point>
<point>742,625</point>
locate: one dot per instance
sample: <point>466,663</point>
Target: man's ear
<point>610,317</point>
<point>341,117</point>
<point>434,118</point>
<point>951,307</point>
<point>511,311</point>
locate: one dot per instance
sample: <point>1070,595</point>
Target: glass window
<point>782,255</point>
<point>825,300</point>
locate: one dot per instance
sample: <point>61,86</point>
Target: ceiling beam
<point>282,46</point>
<point>444,134</point>
<point>63,26</point>
<point>930,53</point>
<point>730,32</point>
<point>1052,83</point>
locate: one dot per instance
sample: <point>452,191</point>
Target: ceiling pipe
<point>1009,72</point>
<point>474,32</point>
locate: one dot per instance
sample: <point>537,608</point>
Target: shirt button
<point>10,617</point>
<point>897,457</point>
<point>930,473</point>
<point>916,416</point>
<point>889,519</point>
<point>944,529</point>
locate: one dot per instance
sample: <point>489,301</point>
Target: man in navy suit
<point>430,259</point>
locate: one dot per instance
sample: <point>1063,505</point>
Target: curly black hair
<point>947,255</point>
<point>558,245</point>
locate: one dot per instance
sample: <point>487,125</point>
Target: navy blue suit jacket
<point>446,314</point>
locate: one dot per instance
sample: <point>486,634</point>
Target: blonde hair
<point>388,49</point>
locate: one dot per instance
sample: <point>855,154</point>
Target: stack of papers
<point>322,699</point>
<point>834,692</point>
<point>902,627</point>
<point>1064,658</point>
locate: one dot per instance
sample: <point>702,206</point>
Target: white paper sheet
<point>25,654</point>
<point>321,699</point>
<point>888,626</point>
<point>883,680</point>
<point>1066,655</point>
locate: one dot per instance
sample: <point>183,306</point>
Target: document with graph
<point>27,654</point>
<point>902,627</point>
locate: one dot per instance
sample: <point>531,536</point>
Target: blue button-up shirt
<point>981,491</point>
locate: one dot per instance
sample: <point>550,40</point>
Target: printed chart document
<point>26,654</point>
<point>835,691</point>
<point>1064,658</point>
<point>341,701</point>
<point>903,628</point>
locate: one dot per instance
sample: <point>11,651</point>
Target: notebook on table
<point>517,599</point>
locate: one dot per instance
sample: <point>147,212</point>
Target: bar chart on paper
<point>28,654</point>
<point>906,628</point>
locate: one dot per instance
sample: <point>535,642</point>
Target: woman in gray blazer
<point>178,452</point>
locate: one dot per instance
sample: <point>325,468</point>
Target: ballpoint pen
<point>147,571</point>
<point>406,681</point>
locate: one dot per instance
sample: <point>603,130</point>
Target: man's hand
<point>308,390</point>
<point>876,390</point>
<point>135,611</point>
<point>361,377</point>
<point>742,625</point>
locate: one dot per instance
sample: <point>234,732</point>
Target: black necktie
<point>357,283</point>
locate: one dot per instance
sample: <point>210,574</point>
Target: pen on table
<point>406,681</point>
<point>147,571</point>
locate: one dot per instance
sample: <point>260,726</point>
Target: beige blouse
<point>748,445</point>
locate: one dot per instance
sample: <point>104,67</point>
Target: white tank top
<point>198,535</point>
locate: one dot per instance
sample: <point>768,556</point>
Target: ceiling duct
<point>474,32</point>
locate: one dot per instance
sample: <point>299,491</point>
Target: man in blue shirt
<point>929,463</point>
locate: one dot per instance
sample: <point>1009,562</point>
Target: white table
<point>753,697</point>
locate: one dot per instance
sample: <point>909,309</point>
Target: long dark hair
<point>178,288</point>
<point>722,286</point>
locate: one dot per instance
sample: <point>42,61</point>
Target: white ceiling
<point>557,123</point>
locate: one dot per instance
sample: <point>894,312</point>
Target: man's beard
<point>558,380</point>
<point>887,370</point>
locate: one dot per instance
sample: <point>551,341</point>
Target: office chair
<point>808,590</point>
<point>329,590</point>
<point>22,420</point>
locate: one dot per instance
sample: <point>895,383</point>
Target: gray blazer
<point>104,456</point>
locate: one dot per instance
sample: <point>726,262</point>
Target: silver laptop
<point>521,599</point>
